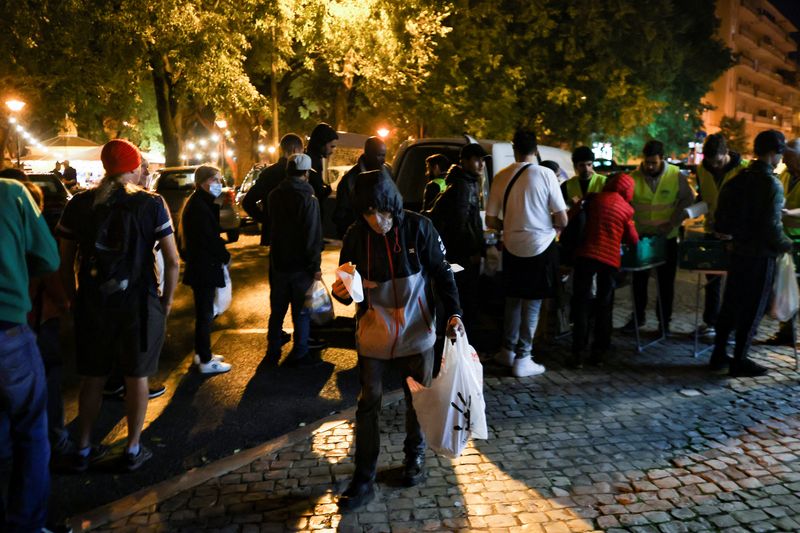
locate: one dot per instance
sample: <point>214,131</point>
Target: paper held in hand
<point>352,281</point>
<point>695,210</point>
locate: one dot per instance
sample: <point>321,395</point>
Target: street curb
<point>155,494</point>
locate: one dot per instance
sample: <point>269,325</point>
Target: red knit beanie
<point>120,156</point>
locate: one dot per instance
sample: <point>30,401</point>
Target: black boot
<point>719,360</point>
<point>414,471</point>
<point>745,368</point>
<point>358,494</point>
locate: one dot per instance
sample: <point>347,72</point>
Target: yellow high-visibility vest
<point>651,209</point>
<point>596,184</point>
<point>710,191</point>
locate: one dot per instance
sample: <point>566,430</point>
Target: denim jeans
<point>50,347</point>
<point>519,325</point>
<point>203,318</point>
<point>23,432</point>
<point>368,432</point>
<point>285,289</point>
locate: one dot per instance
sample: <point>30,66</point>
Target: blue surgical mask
<point>215,189</point>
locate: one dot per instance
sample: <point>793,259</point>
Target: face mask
<point>383,222</point>
<point>215,189</point>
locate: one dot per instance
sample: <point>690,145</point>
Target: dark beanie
<point>582,153</point>
<point>769,141</point>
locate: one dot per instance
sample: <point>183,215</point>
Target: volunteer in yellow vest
<point>436,166</point>
<point>585,180</point>
<point>719,165</point>
<point>790,179</point>
<point>660,195</point>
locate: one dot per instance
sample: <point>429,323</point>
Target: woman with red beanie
<point>609,221</point>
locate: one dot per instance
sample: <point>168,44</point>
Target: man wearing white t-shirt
<point>525,201</point>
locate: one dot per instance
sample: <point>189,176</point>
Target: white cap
<point>299,162</point>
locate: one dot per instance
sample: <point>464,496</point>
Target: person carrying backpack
<point>120,320</point>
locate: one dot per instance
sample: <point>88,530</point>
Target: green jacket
<point>26,246</point>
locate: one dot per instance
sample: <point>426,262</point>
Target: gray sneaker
<point>134,462</point>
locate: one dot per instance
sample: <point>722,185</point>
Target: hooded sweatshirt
<point>457,216</point>
<point>399,271</point>
<point>321,135</point>
<point>609,221</point>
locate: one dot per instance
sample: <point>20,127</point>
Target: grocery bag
<point>223,295</point>
<point>318,300</point>
<point>785,294</point>
<point>452,409</point>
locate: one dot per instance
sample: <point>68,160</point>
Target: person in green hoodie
<point>26,248</point>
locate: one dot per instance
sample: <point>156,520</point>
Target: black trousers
<point>585,270</point>
<point>203,318</point>
<point>666,280</point>
<point>468,284</point>
<point>368,432</point>
<point>747,293</point>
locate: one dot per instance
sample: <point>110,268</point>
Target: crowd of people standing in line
<point>112,233</point>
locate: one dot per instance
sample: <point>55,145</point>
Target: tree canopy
<point>575,70</point>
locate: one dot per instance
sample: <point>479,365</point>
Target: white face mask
<point>383,222</point>
<point>215,189</point>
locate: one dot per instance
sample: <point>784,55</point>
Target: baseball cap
<point>472,150</point>
<point>298,163</point>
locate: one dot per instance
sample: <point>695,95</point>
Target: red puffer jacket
<point>609,221</point>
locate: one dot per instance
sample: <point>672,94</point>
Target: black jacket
<point>256,200</point>
<point>203,249</point>
<point>749,209</point>
<point>296,230</point>
<point>457,216</point>
<point>344,215</point>
<point>407,260</point>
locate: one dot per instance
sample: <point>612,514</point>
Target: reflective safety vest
<point>791,225</point>
<point>651,209</point>
<point>441,183</point>
<point>596,184</point>
<point>710,191</point>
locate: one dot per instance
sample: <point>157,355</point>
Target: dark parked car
<point>176,184</point>
<point>56,196</point>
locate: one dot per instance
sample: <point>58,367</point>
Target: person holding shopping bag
<point>206,258</point>
<point>401,259</point>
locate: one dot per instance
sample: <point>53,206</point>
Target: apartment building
<point>763,87</point>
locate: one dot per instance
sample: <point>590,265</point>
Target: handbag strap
<point>511,184</point>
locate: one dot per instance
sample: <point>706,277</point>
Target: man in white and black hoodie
<point>402,262</point>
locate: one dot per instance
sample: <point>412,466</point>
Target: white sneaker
<point>214,357</point>
<point>525,367</point>
<point>213,367</point>
<point>504,357</point>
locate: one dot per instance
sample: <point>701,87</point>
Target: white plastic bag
<point>223,295</point>
<point>452,409</point>
<point>785,294</point>
<point>352,281</point>
<point>318,300</point>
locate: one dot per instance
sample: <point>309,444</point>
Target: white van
<point>409,163</point>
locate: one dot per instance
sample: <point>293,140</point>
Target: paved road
<point>650,443</point>
<point>202,418</point>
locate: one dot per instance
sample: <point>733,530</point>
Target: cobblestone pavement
<point>647,443</point>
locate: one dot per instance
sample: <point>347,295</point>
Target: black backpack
<point>114,259</point>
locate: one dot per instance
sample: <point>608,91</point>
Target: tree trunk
<point>273,84</point>
<point>167,111</point>
<point>340,107</point>
<point>4,135</point>
<point>246,137</point>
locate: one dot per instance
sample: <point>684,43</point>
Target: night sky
<point>790,9</point>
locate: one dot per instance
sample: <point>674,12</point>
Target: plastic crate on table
<point>650,250</point>
<point>703,253</point>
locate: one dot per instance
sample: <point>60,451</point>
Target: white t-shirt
<point>528,225</point>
